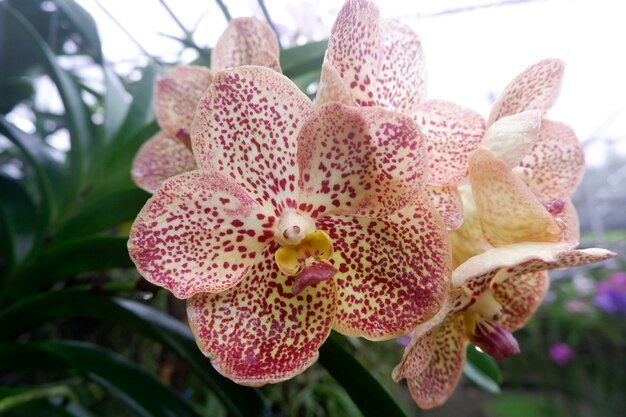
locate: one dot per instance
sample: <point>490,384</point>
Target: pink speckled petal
<point>571,226</point>
<point>521,258</point>
<point>200,232</point>
<point>354,48</point>
<point>247,126</point>
<point>177,95</point>
<point>401,82</point>
<point>241,43</point>
<point>468,240</point>
<point>519,297</point>
<point>434,385</point>
<point>418,352</point>
<point>452,132</point>
<point>392,273</point>
<point>512,137</point>
<point>259,332</point>
<point>537,87</point>
<point>449,204</point>
<point>359,161</point>
<point>332,88</point>
<point>158,159</point>
<point>557,161</point>
<point>265,58</point>
<point>509,211</point>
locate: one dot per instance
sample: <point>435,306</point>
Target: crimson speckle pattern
<point>200,232</point>
<point>401,81</point>
<point>437,381</point>
<point>368,161</point>
<point>537,87</point>
<point>177,95</point>
<point>354,49</point>
<point>448,202</point>
<point>332,88</point>
<point>246,127</point>
<point>392,272</point>
<point>519,297</point>
<point>246,41</point>
<point>509,211</point>
<point>557,160</point>
<point>452,132</point>
<point>158,159</point>
<point>259,331</point>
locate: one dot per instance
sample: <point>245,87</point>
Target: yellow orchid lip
<point>291,259</point>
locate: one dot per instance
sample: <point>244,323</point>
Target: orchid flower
<point>524,172</point>
<point>245,41</point>
<point>370,62</point>
<point>297,221</point>
<point>492,295</point>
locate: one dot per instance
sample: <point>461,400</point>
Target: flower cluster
<point>372,211</point>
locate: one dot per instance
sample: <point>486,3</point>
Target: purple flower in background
<point>561,353</point>
<point>611,294</point>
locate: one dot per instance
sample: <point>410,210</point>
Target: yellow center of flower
<point>301,243</point>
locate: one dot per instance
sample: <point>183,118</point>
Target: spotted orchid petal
<point>359,161</point>
<point>508,261</point>
<point>418,352</point>
<point>158,159</point>
<point>452,132</point>
<point>392,273</point>
<point>448,202</point>
<point>556,161</point>
<point>259,331</point>
<point>401,81</point>
<point>246,127</point>
<point>332,88</point>
<point>246,41</point>
<point>509,211</point>
<point>519,297</point>
<point>468,240</point>
<point>176,97</point>
<point>537,87</point>
<point>437,381</point>
<point>354,48</point>
<point>569,220</point>
<point>511,138</point>
<point>200,232</point>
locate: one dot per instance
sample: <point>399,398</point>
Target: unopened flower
<point>492,295</point>
<point>297,221</point>
<point>245,41</point>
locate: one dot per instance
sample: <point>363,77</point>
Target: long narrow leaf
<point>85,24</point>
<point>302,59</point>
<point>141,392</point>
<point>31,313</point>
<point>372,398</point>
<point>115,105</point>
<point>78,119</point>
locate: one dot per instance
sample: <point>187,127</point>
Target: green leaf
<point>367,393</point>
<point>483,370</point>
<point>115,104</point>
<point>136,388</point>
<point>68,259</point>
<point>29,394</point>
<point>302,59</point>
<point>78,119</point>
<point>50,175</point>
<point>30,313</point>
<point>101,213</point>
<point>141,112</point>
<point>85,24</point>
<point>18,223</point>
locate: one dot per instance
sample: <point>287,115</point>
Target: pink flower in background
<point>561,353</point>
<point>611,294</point>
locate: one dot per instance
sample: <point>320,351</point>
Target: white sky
<point>470,55</point>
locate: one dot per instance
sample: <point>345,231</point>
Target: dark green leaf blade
<point>302,59</point>
<point>140,391</point>
<point>37,310</point>
<point>368,394</point>
<point>483,370</point>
